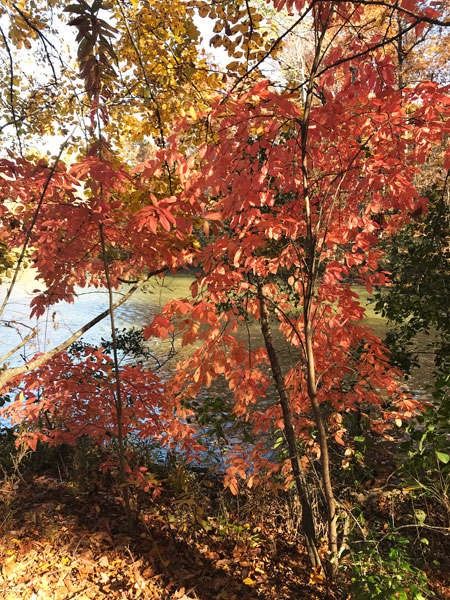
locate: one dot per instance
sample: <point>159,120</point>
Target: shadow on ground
<point>57,543</point>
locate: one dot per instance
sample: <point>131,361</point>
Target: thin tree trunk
<point>324,455</point>
<point>312,382</point>
<point>307,522</point>
<point>118,402</point>
<point>308,291</point>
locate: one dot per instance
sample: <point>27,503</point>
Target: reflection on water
<point>64,319</point>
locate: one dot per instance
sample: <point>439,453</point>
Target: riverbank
<point>65,539</point>
<point>64,534</point>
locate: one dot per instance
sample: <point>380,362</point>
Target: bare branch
<point>26,339</point>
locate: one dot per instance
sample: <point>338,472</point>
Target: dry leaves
<point>58,545</point>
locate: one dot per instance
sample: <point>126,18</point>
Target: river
<point>64,319</point>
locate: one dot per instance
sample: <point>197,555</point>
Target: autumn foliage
<point>278,196</point>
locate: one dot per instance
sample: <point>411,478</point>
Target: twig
<point>22,343</point>
<point>275,44</point>
<point>34,219</point>
<point>11,90</point>
<point>43,39</point>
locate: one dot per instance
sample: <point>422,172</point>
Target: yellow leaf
<point>249,581</point>
<point>192,112</point>
<point>316,577</point>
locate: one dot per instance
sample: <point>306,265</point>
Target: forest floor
<point>60,540</point>
<point>59,544</point>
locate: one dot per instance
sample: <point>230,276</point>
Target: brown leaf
<point>9,567</point>
<point>224,563</point>
<point>103,562</point>
<point>149,572</point>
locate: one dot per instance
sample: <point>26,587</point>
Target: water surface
<point>64,319</point>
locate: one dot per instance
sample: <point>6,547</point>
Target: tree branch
<point>43,39</point>
<point>11,91</point>
<point>9,374</point>
<point>276,43</point>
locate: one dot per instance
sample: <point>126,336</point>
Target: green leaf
<point>420,515</point>
<point>443,457</point>
<point>402,540</point>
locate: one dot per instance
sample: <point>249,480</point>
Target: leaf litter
<point>57,543</point>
